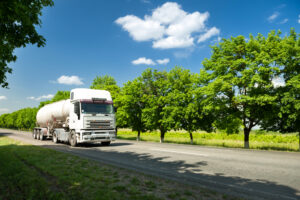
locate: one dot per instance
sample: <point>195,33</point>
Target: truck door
<point>75,116</point>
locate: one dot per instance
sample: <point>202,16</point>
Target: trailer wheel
<point>41,135</point>
<point>105,143</point>
<point>34,134</point>
<point>73,139</point>
<point>37,135</point>
<point>54,138</point>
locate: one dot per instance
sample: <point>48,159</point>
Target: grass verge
<point>258,139</point>
<point>31,172</point>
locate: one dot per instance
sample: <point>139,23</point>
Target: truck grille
<point>99,124</point>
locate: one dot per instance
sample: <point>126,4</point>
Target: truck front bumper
<point>96,136</point>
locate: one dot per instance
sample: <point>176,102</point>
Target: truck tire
<point>54,138</point>
<point>34,134</point>
<point>105,143</point>
<point>73,139</point>
<point>37,134</point>
<point>41,135</point>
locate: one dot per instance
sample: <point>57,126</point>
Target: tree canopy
<point>238,80</point>
<point>18,21</point>
<point>108,83</point>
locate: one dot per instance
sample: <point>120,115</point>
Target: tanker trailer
<point>87,117</point>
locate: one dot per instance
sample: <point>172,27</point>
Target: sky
<point>85,39</point>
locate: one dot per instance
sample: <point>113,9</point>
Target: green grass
<point>32,172</point>
<point>258,139</point>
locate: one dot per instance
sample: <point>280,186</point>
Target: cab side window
<point>77,109</point>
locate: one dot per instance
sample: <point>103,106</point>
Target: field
<point>31,172</point>
<point>258,139</point>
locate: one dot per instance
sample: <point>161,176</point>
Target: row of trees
<point>236,89</point>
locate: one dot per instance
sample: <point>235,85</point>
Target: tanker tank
<point>54,112</point>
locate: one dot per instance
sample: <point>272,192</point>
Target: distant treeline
<point>25,119</point>
<point>244,84</point>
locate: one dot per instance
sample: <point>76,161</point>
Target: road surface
<point>250,174</point>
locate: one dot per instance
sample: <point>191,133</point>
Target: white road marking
<point>180,152</point>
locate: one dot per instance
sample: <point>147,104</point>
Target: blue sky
<point>122,38</point>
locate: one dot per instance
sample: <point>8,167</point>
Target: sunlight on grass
<point>258,139</point>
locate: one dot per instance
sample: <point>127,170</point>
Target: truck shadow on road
<point>89,145</point>
<point>189,173</point>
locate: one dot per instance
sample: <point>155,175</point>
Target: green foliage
<point>237,80</point>
<point>286,116</point>
<point>106,83</point>
<point>19,20</point>
<point>156,111</point>
<point>131,104</point>
<point>185,106</point>
<point>21,119</point>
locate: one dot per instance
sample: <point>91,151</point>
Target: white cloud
<point>278,82</point>
<point>173,42</point>
<point>168,27</point>
<point>143,61</point>
<point>273,16</point>
<point>3,97</point>
<point>163,61</point>
<point>141,30</point>
<point>210,33</point>
<point>299,19</point>
<point>69,80</point>
<point>4,110</point>
<point>188,24</point>
<point>284,21</point>
<point>49,96</point>
<point>168,13</point>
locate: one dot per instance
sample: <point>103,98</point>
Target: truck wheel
<point>34,134</point>
<point>37,136</point>
<point>54,138</point>
<point>105,143</point>
<point>41,135</point>
<point>73,139</point>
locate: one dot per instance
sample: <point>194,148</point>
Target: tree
<point>131,105</point>
<point>238,80</point>
<point>185,102</point>
<point>106,83</point>
<point>18,20</point>
<point>286,112</point>
<point>156,112</point>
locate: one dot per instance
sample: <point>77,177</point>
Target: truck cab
<point>92,116</point>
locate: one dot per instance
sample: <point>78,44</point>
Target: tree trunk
<point>138,136</point>
<point>191,136</point>
<point>162,136</point>
<point>246,138</point>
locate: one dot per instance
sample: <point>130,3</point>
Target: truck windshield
<point>97,108</point>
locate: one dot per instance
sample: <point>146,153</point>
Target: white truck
<point>87,117</point>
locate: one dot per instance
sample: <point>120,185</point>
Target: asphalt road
<point>250,174</point>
